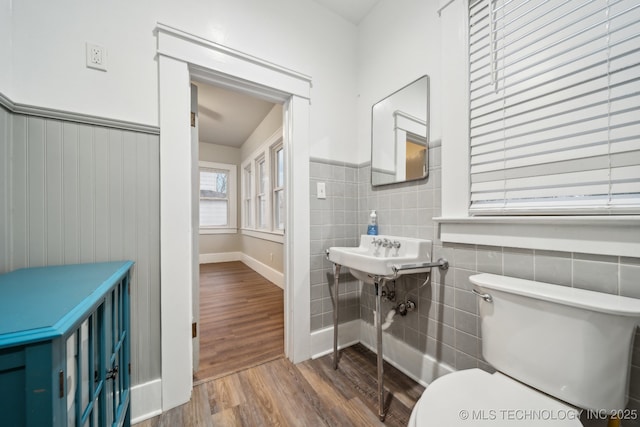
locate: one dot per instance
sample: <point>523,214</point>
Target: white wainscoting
<point>146,401</point>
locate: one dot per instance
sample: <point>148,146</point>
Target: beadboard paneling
<point>81,193</point>
<point>5,120</point>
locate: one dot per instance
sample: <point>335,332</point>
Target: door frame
<point>183,57</point>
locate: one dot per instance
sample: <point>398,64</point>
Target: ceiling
<point>351,10</point>
<point>228,118</point>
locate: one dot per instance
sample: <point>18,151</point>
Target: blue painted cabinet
<point>65,345</point>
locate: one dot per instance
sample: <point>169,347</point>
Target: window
<point>554,103</point>
<point>264,189</point>
<point>617,235</point>
<point>278,187</point>
<point>217,196</point>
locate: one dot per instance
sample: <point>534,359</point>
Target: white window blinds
<point>554,106</point>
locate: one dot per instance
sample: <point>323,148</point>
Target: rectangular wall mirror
<point>400,135</point>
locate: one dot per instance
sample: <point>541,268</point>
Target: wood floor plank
<point>292,386</point>
<point>198,412</point>
<point>230,417</point>
<point>262,399</point>
<point>225,393</point>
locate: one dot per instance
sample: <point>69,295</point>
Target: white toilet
<point>557,350</point>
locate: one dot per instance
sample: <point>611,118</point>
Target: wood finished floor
<point>311,393</point>
<point>241,320</point>
<point>245,380</point>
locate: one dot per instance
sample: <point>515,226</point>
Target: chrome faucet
<point>385,243</point>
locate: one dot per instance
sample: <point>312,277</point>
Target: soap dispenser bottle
<point>372,229</point>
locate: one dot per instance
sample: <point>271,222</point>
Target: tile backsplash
<point>445,323</point>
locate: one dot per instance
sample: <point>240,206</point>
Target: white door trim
<point>182,57</point>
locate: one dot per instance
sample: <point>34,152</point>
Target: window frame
<point>247,196</point>
<point>262,193</point>
<point>617,235</point>
<point>232,192</point>
<point>275,188</point>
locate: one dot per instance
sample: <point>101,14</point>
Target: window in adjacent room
<point>264,188</point>
<point>217,196</point>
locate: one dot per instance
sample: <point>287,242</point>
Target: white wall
<point>49,55</point>
<point>6,51</point>
<point>266,128</point>
<point>398,41</point>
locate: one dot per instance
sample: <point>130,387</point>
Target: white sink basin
<point>389,256</point>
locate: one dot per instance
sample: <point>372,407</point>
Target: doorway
<point>238,300</point>
<point>181,58</point>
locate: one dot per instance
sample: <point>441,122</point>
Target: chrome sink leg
<point>381,412</point>
<point>336,275</point>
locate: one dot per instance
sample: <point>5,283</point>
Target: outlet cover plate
<point>321,190</point>
<point>96,57</point>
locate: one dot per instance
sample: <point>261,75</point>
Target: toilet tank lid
<point>582,298</point>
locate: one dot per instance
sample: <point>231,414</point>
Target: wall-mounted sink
<point>377,260</point>
<point>383,256</point>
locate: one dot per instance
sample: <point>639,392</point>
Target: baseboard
<point>220,257</point>
<point>322,340</point>
<point>419,366</point>
<point>146,401</point>
<point>269,273</point>
<point>275,276</point>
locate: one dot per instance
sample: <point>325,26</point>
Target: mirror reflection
<point>399,135</point>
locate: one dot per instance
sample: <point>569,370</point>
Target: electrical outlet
<point>96,57</point>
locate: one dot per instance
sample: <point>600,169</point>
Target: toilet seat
<point>474,397</point>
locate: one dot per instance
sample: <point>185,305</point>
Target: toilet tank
<point>570,343</point>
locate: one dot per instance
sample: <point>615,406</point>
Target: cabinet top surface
<point>43,302</point>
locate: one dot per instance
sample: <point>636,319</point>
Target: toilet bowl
<point>474,397</point>
<point>556,351</point>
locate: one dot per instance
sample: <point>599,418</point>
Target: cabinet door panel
<point>12,386</point>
